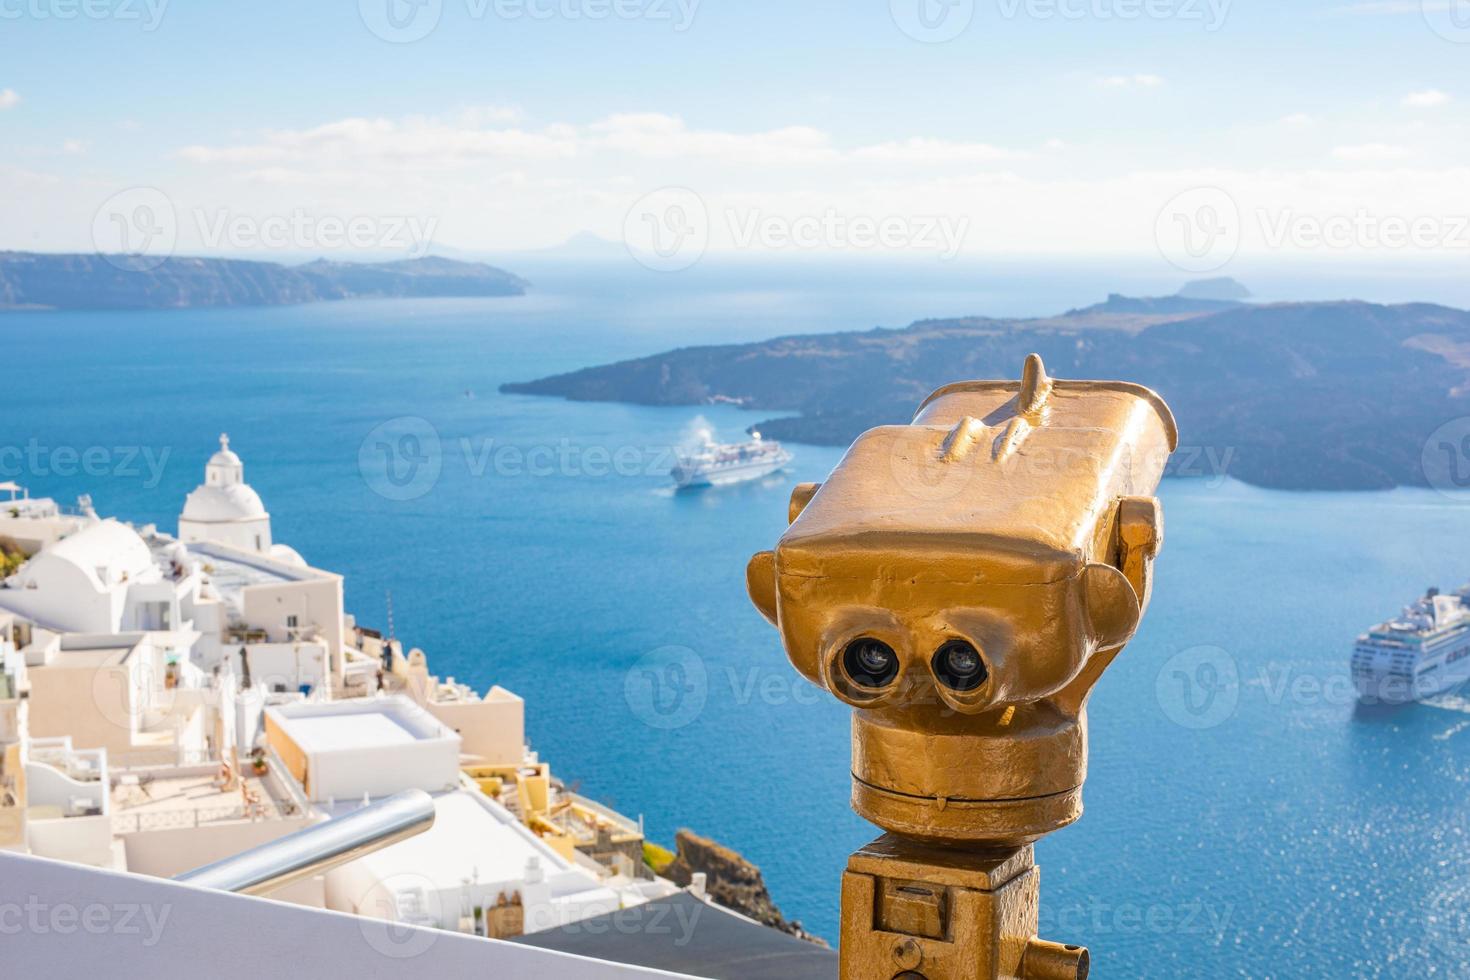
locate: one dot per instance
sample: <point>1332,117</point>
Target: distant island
<point>1329,396</point>
<point>1222,288</point>
<point>37,281</point>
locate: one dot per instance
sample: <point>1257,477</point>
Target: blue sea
<point>1244,817</point>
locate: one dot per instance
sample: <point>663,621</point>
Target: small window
<point>291,622</point>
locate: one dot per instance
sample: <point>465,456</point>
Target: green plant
<point>657,858</point>
<point>11,556</point>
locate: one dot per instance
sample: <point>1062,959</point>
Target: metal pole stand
<point>913,912</point>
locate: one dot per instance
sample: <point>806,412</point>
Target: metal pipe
<point>264,869</point>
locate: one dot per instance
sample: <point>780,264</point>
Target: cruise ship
<point>716,464</point>
<point>1423,652</point>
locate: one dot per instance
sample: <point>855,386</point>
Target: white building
<point>34,522</point>
<point>100,579</point>
<point>345,750</point>
<point>166,702</point>
<point>224,509</point>
<point>477,855</point>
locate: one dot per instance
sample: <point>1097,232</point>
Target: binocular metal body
<point>963,582</point>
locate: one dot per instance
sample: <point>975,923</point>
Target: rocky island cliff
<point>1308,396</point>
<point>34,281</point>
<point>731,881</point>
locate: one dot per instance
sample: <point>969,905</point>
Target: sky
<point>1196,129</point>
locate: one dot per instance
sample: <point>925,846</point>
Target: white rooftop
<point>473,836</point>
<point>107,552</point>
<point>231,571</point>
<point>232,567</point>
<point>360,722</point>
<point>352,731</point>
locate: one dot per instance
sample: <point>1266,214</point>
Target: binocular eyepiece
<point>871,666</point>
<point>962,582</point>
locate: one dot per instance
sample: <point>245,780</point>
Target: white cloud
<point>494,179</point>
<point>478,136</point>
<point>935,151</point>
<point>1371,153</point>
<point>1130,81</point>
<point>659,136</point>
<point>414,142</point>
<point>1428,99</point>
<point>1297,119</point>
<point>75,146</point>
<point>366,145</point>
<point>9,98</point>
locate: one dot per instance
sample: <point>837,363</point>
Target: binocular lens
<point>959,667</point>
<point>870,663</point>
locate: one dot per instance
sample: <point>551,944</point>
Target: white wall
<point>346,770</point>
<point>99,707</point>
<point>176,932</point>
<point>64,597</point>
<point>314,602</point>
<point>83,840</point>
<point>492,730</point>
<point>287,664</point>
<point>346,774</point>
<point>168,852</point>
<point>87,840</point>
<point>48,786</point>
<point>143,599</point>
<point>249,535</point>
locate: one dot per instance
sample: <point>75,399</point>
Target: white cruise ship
<point>1423,652</point>
<point>716,464</point>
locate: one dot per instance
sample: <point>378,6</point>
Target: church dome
<point>226,456</point>
<point>224,496</point>
<point>217,504</point>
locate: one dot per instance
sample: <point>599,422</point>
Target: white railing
<point>280,776</point>
<point>184,818</point>
<point>161,758</point>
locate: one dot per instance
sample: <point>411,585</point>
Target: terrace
<point>198,796</point>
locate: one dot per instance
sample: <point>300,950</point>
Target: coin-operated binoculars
<point>963,582</point>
